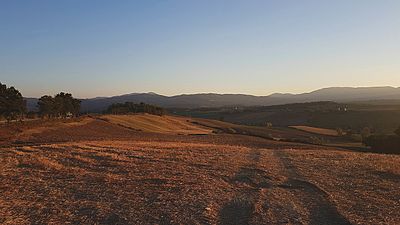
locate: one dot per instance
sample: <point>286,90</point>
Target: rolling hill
<point>338,94</point>
<point>158,124</point>
<point>89,170</point>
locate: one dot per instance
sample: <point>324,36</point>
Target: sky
<point>103,48</point>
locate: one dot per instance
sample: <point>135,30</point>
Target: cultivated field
<point>317,130</point>
<point>96,171</point>
<point>159,124</point>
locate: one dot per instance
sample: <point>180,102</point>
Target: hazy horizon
<point>104,48</point>
<point>193,93</point>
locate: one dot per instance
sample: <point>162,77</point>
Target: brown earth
<point>92,171</point>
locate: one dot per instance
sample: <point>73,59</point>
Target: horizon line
<point>216,93</point>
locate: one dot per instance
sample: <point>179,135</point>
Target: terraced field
<point>97,172</point>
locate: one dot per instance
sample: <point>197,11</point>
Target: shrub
<point>383,143</point>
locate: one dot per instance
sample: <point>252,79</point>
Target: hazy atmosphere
<point>221,112</point>
<point>105,48</point>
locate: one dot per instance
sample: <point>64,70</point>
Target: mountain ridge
<point>338,94</point>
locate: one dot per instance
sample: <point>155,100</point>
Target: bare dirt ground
<point>95,172</point>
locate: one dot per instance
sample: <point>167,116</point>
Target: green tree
<point>61,105</point>
<point>12,104</point>
<point>46,106</point>
<point>3,99</point>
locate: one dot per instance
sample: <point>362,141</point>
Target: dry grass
<point>136,182</point>
<point>96,182</point>
<point>317,130</point>
<point>158,124</point>
<point>17,131</point>
<point>97,172</point>
<point>364,186</point>
<point>53,126</point>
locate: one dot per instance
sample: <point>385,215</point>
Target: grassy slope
<point>153,124</point>
<point>17,131</point>
<point>124,176</point>
<point>193,126</point>
<point>158,124</point>
<point>183,182</point>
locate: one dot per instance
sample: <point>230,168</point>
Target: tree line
<point>61,105</point>
<point>13,105</point>
<point>130,107</point>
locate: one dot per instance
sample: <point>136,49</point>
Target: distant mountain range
<point>337,94</point>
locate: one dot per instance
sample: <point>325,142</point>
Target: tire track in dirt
<point>314,199</point>
<point>251,182</point>
<point>240,209</point>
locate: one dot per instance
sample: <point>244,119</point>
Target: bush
<point>383,143</point>
<point>31,115</point>
<point>316,140</point>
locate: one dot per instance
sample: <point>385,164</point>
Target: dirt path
<point>259,196</point>
<point>316,200</point>
<point>176,182</point>
<point>251,180</point>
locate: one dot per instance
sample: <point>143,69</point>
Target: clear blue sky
<point>102,48</point>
